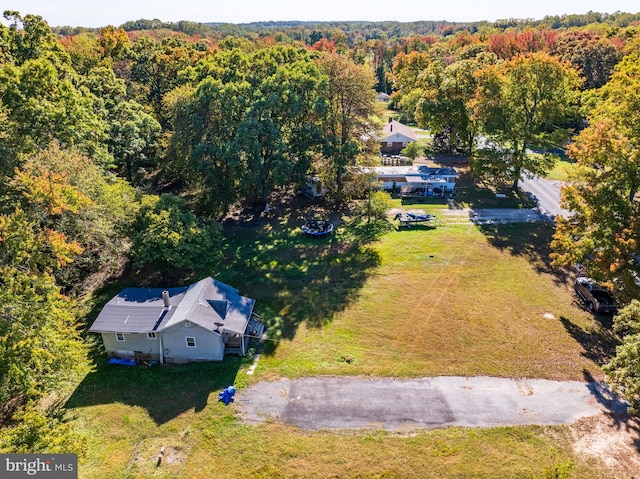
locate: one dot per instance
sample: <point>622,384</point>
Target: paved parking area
<point>393,404</point>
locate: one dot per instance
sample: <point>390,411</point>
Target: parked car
<point>595,296</point>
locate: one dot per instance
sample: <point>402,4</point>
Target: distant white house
<point>200,322</point>
<point>417,180</point>
<point>395,136</point>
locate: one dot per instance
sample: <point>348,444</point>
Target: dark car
<point>596,297</point>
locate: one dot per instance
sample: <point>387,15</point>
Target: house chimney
<point>165,299</point>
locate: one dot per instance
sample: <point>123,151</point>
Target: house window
<point>151,335</point>
<point>119,336</point>
<point>191,341</point>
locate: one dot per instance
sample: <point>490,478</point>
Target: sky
<point>116,12</point>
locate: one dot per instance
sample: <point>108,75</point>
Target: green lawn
<point>454,300</point>
<point>561,170</point>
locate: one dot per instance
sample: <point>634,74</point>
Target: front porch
<point>238,344</point>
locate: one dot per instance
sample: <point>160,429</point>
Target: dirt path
<point>612,439</point>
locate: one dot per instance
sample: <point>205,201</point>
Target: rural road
<point>546,193</point>
<point>404,405</point>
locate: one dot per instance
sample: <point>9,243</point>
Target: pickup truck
<point>596,297</point>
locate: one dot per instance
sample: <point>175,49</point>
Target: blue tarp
<point>226,396</point>
<point>124,362</point>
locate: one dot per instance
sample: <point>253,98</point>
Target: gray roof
<point>414,171</point>
<point>141,310</point>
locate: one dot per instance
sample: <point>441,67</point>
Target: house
<point>200,322</point>
<point>417,180</point>
<point>383,97</point>
<point>395,136</point>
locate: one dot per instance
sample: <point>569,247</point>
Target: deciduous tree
<point>592,56</point>
<point>445,100</point>
<point>83,214</point>
<point>280,130</point>
<point>250,126</point>
<point>42,104</point>
<point>604,230</point>
<point>168,236</point>
<point>133,139</point>
<point>351,102</point>
<point>523,103</point>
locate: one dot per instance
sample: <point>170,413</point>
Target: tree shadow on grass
<point>164,392</point>
<point>474,194</point>
<point>599,345</point>
<point>529,240</point>
<point>296,279</point>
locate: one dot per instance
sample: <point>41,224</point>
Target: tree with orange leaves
<point>604,193</point>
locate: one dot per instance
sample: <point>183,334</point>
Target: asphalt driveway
<point>401,405</point>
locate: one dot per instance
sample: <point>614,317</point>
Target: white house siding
<point>398,138</point>
<point>132,342</point>
<point>449,183</point>
<point>209,345</point>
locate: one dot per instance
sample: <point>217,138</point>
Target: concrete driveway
<point>485,216</point>
<point>403,405</point>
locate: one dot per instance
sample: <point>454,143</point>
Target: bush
<point>559,471</point>
<point>36,433</point>
<point>167,235</point>
<point>413,150</point>
<point>627,321</point>
<point>378,205</point>
<point>624,371</point>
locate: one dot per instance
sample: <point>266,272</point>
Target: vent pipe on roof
<point>165,299</point>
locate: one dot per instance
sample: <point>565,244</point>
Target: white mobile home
<point>417,180</point>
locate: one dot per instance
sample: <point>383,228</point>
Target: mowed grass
<point>125,443</point>
<point>561,170</point>
<point>454,300</point>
